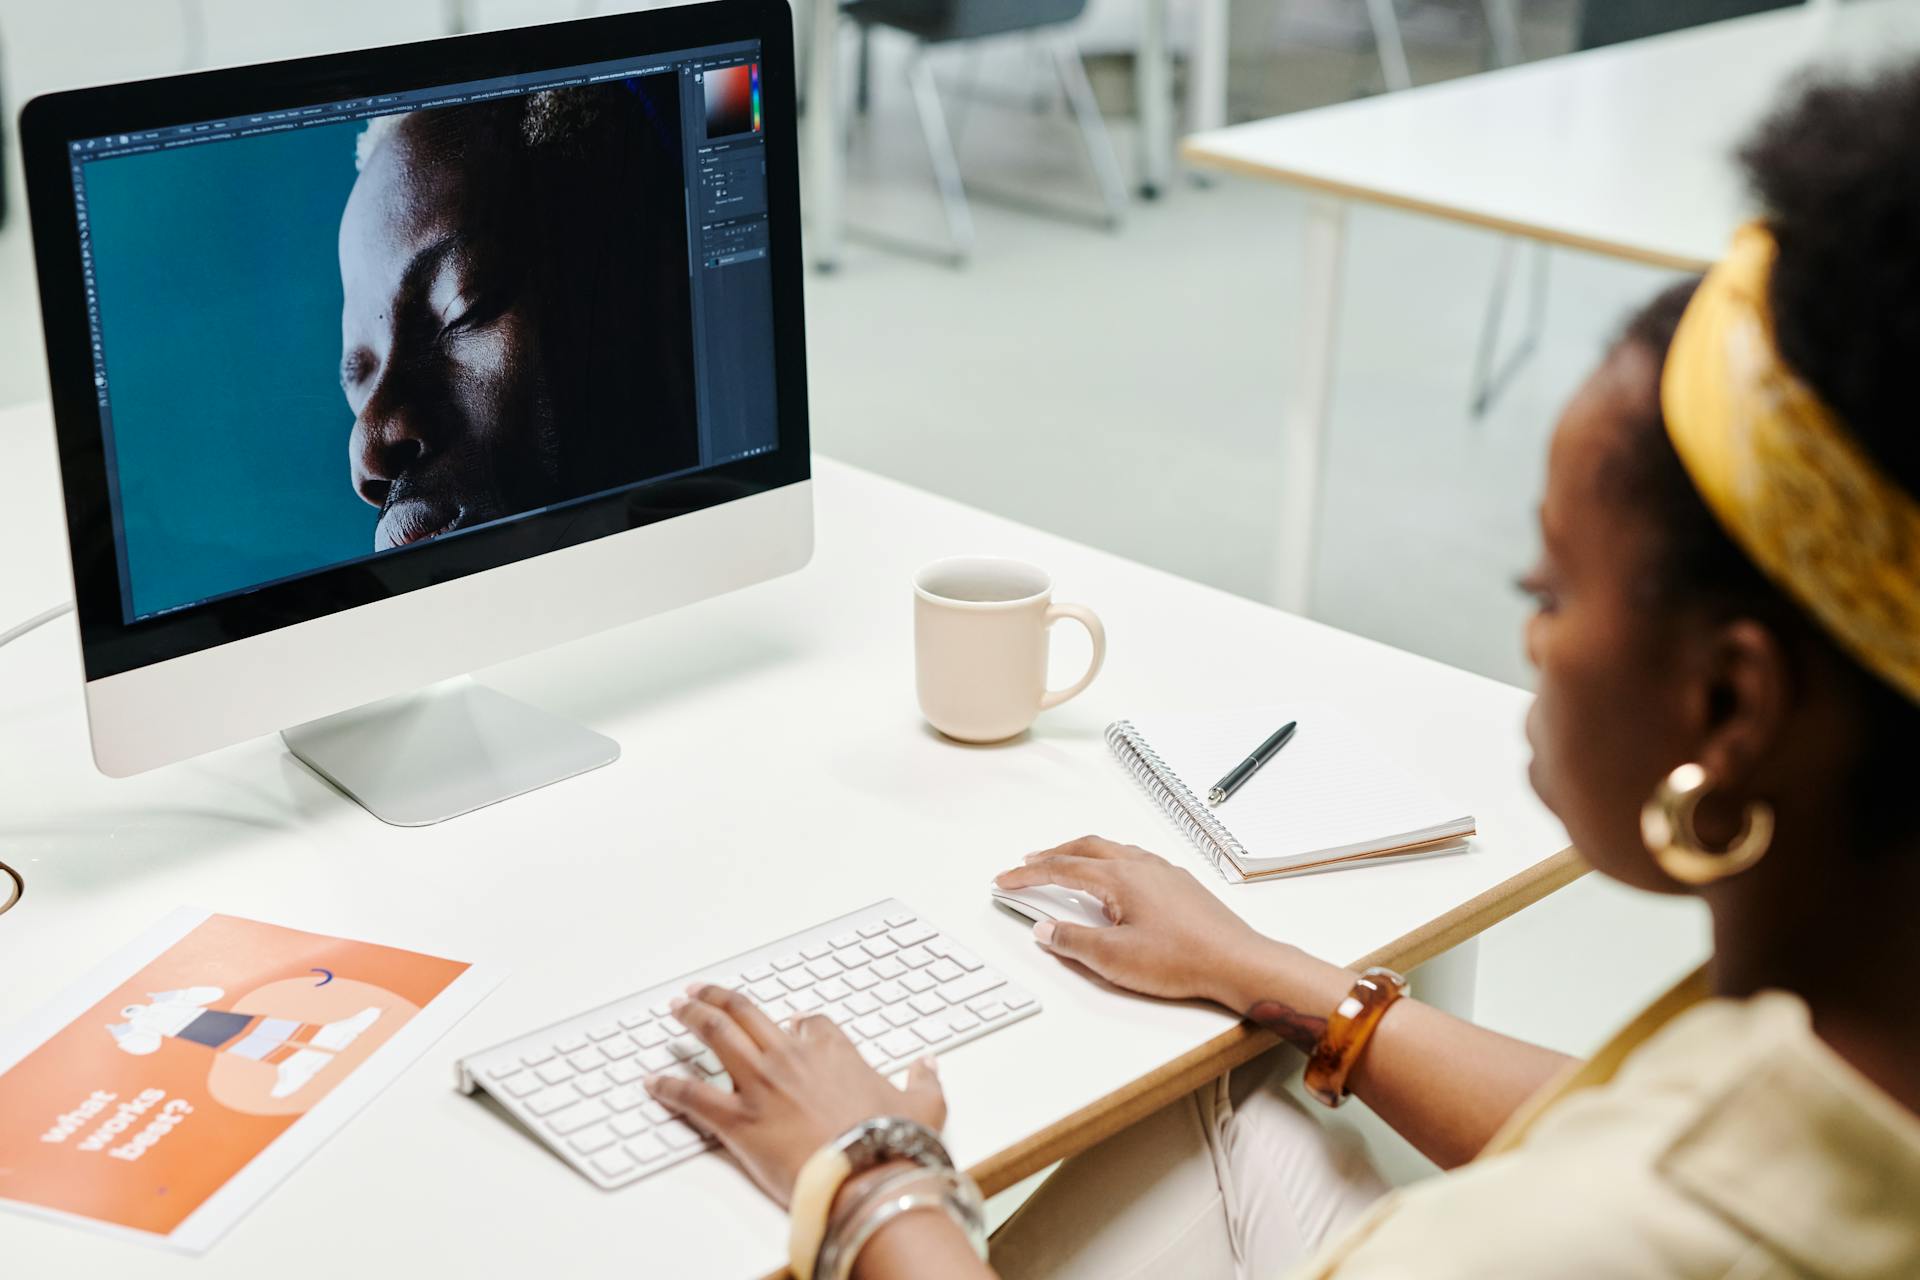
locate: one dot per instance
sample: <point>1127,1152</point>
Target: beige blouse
<point>1711,1138</point>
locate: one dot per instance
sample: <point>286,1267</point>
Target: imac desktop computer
<point>373,369</point>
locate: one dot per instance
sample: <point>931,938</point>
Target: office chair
<point>934,23</point>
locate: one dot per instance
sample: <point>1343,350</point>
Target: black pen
<point>1251,765</point>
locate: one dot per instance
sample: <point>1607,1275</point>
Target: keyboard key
<point>571,1044</point>
<point>1018,1000</point>
<point>889,967</point>
<point>833,989</point>
<point>988,1010</point>
<point>586,1060</point>
<point>654,1112</point>
<point>554,1072</point>
<point>613,1163</point>
<point>550,1100</point>
<point>926,1003</point>
<point>933,1030</point>
<point>646,1149</point>
<point>661,1009</point>
<point>814,951</point>
<point>841,941</point>
<point>900,918</point>
<point>604,1031</point>
<point>822,969</point>
<point>621,1048</point>
<point>944,970</point>
<point>861,1002</point>
<point>878,947</point>
<point>796,979</point>
<point>916,957</point>
<point>624,1098</point>
<point>678,1134</point>
<point>672,1026</point>
<point>964,958</point>
<point>898,1043</point>
<point>650,1035</point>
<point>771,989</point>
<point>916,981</point>
<point>804,1001</point>
<point>789,961</point>
<point>851,958</point>
<point>870,1026</point>
<point>591,1139</point>
<point>523,1084</point>
<point>709,1063</point>
<point>629,1124</point>
<point>912,934</point>
<point>501,1070</point>
<point>963,990</point>
<point>657,1058</point>
<point>634,1021</point>
<point>873,929</point>
<point>962,1022</point>
<point>577,1117</point>
<point>837,1013</point>
<point>876,1056</point>
<point>860,979</point>
<point>534,1057</point>
<point>899,1015</point>
<point>889,992</point>
<point>625,1072</point>
<point>593,1084</point>
<point>759,973</point>
<point>685,1048</point>
<point>777,1010</point>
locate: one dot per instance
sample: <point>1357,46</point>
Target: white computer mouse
<point>1051,902</point>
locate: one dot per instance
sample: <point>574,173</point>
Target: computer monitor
<point>373,369</point>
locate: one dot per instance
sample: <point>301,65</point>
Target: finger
<point>926,1101</point>
<point>707,1108</point>
<point>740,1006</point>
<point>715,1027</point>
<point>1085,874</point>
<point>1090,946</point>
<point>1087,847</point>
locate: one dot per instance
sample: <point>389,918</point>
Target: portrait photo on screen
<point>350,339</point>
<point>733,100</point>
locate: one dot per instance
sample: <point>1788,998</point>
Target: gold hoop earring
<point>1666,825</point>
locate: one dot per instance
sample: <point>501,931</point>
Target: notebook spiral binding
<point>1214,841</point>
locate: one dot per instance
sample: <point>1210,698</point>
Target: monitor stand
<point>447,750</point>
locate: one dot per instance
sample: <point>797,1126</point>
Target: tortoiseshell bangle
<point>1347,1034</point>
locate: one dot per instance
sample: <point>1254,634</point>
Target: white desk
<point>1625,151</point>
<point>824,189</point>
<point>776,773</point>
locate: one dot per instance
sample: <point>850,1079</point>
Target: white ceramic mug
<point>980,645</point>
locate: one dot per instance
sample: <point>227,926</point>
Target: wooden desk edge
<point>1196,154</point>
<point>1100,1120</point>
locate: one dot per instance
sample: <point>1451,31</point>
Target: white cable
<point>8,636</point>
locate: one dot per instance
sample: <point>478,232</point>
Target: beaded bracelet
<point>947,1189</point>
<point>1347,1034</point>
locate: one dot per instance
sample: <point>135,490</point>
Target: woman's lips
<point>413,520</point>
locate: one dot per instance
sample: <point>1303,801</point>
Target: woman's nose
<point>387,442</point>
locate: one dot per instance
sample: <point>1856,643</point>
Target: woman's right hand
<point>1169,936</point>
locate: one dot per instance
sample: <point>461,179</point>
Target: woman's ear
<point>1749,689</point>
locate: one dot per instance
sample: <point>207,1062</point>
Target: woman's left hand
<point>793,1092</point>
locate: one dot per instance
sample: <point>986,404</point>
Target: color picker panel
<point>733,100</point>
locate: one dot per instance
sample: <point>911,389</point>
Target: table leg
<point>1207,94</point>
<point>826,162</point>
<point>1309,402</point>
<point>1447,982</point>
<point>1153,91</point>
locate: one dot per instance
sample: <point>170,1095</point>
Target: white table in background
<point>775,773</point>
<point>1625,151</point>
<point>824,189</point>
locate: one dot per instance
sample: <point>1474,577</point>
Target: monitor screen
<point>347,331</point>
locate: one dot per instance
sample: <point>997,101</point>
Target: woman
<point>1728,647</point>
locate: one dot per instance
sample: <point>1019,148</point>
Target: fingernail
<point>647,1082</point>
<point>676,1004</point>
<point>932,1063</point>
<point>1002,877</point>
<point>1043,933</point>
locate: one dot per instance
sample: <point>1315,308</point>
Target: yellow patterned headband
<point>1784,476</point>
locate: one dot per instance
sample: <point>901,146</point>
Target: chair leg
<point>1503,23</point>
<point>946,164</point>
<point>863,73</point>
<point>1489,381</point>
<point>1093,128</point>
<point>1393,50</point>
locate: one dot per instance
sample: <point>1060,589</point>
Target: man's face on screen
<point>441,360</point>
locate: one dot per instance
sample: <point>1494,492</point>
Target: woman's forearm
<point>1444,1085</point>
<point>925,1245</point>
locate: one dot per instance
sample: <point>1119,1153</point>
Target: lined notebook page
<point>1330,793</point>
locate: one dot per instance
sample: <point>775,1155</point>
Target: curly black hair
<point>1837,175</point>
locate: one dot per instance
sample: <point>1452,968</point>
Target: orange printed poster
<point>181,1081</point>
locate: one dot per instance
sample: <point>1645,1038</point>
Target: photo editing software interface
<point>335,332</point>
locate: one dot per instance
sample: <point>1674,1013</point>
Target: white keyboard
<point>897,986</point>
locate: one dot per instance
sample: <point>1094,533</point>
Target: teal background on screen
<point>219,295</point>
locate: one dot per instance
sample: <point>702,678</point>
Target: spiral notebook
<point>1329,798</point>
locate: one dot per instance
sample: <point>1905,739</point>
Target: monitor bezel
<point>112,646</point>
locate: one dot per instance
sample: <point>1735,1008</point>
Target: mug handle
<point>1085,617</point>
